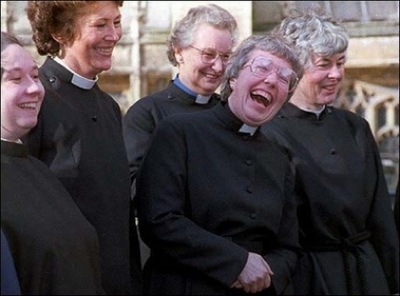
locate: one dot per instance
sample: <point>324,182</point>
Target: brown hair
<point>50,18</point>
<point>6,40</point>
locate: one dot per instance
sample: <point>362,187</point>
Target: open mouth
<point>261,97</point>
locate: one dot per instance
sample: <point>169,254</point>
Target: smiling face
<point>204,78</point>
<point>21,92</point>
<point>255,100</point>
<point>320,83</point>
<point>99,29</point>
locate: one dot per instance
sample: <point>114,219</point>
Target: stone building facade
<point>141,66</point>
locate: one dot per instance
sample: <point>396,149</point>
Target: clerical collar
<point>12,141</point>
<point>247,129</point>
<point>77,79</point>
<point>317,113</point>
<point>200,99</point>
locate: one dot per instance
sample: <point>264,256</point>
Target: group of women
<point>261,188</point>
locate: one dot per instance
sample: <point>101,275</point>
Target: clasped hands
<point>255,276</point>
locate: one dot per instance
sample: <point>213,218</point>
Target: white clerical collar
<point>248,129</point>
<point>18,141</point>
<point>77,79</point>
<point>202,99</point>
<point>316,112</point>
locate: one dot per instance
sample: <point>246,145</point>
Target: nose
<point>336,72</point>
<point>219,65</point>
<point>113,34</point>
<point>34,86</point>
<point>272,78</point>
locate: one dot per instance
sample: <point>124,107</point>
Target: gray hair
<point>274,45</point>
<point>182,34</point>
<point>314,32</point>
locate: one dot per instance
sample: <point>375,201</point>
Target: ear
<point>57,38</point>
<point>178,55</point>
<point>232,82</point>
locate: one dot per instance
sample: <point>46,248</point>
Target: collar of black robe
<point>77,79</point>
<point>14,149</point>
<point>234,123</point>
<point>18,141</point>
<point>200,99</point>
<point>247,129</point>
<point>291,110</point>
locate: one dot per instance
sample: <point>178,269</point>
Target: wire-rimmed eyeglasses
<point>262,67</point>
<point>209,55</point>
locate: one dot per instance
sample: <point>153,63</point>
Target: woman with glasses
<point>214,196</point>
<point>347,228</point>
<point>199,45</point>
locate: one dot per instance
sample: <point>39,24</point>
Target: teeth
<point>105,50</point>
<point>331,88</point>
<point>265,95</point>
<point>212,76</point>
<point>28,105</point>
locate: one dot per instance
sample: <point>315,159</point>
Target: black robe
<point>55,249</point>
<point>142,117</point>
<point>345,216</point>
<point>79,136</point>
<point>207,195</point>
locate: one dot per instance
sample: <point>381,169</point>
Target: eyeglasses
<point>262,67</point>
<point>209,56</point>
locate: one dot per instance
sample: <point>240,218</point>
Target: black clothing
<point>9,277</point>
<point>79,136</point>
<point>143,116</point>
<point>396,207</point>
<point>207,194</point>
<point>345,216</point>
<point>55,249</point>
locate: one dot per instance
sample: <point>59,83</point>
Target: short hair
<point>182,33</point>
<point>274,45</point>
<point>313,32</point>
<point>49,18</point>
<point>6,40</point>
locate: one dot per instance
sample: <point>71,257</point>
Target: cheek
<point>41,91</point>
<point>119,33</point>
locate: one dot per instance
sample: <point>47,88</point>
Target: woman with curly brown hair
<point>79,133</point>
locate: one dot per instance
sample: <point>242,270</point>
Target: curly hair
<point>313,32</point>
<point>55,18</point>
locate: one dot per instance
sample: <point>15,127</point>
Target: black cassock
<point>79,136</point>
<point>346,222</point>
<point>207,194</point>
<point>54,247</point>
<point>142,117</point>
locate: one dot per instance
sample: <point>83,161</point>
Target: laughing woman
<point>54,248</point>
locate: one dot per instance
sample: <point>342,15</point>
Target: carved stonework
<point>379,105</point>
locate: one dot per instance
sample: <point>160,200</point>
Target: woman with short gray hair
<point>347,228</point>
